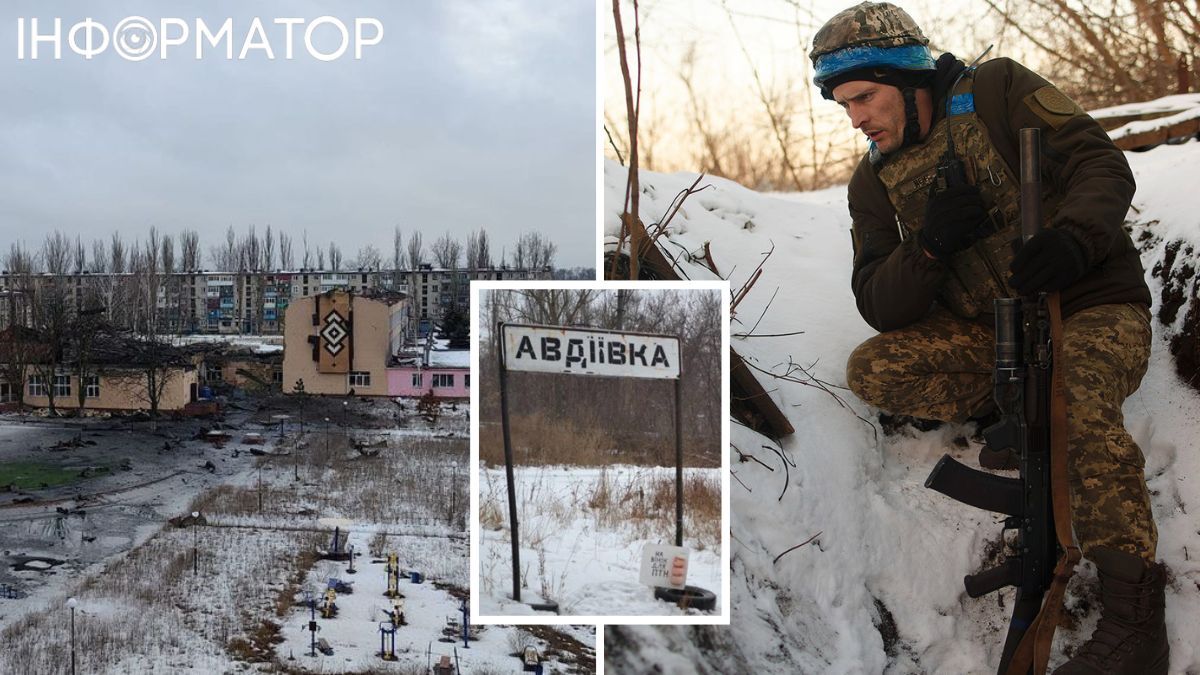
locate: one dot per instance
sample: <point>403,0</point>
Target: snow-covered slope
<point>880,588</point>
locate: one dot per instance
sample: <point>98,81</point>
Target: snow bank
<point>880,588</point>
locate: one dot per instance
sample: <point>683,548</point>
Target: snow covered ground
<point>582,535</point>
<point>879,588</point>
<point>227,594</point>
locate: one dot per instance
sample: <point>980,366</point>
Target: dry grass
<point>641,503</point>
<point>149,603</point>
<point>538,440</point>
<point>647,504</point>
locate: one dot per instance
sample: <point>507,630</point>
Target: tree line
<point>268,250</point>
<point>757,119</point>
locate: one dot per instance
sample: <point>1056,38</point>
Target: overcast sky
<point>469,113</point>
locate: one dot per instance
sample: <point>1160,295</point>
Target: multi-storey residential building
<point>246,303</point>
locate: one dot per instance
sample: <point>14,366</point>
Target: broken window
<point>360,378</point>
<point>443,380</point>
<point>417,380</point>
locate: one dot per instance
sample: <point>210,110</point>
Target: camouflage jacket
<point>1085,175</point>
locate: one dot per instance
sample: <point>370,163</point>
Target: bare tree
<point>149,366</point>
<point>446,251</point>
<point>369,258</point>
<point>397,248</point>
<point>268,251</point>
<point>472,249</point>
<point>534,251</point>
<point>483,256</point>
<point>169,285</point>
<point>229,252</point>
<point>56,253</point>
<point>52,313</point>
<point>189,250</point>
<point>99,256</point>
<point>320,257</point>
<point>18,352</point>
<point>416,256</point>
<point>285,251</point>
<point>306,262</point>
<point>166,254</point>
<point>84,328</point>
<point>1108,53</point>
<point>335,257</point>
<point>79,256</point>
<point>116,253</point>
<point>249,252</point>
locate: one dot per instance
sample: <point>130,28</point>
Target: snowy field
<point>582,530</point>
<point>878,589</point>
<point>227,593</point>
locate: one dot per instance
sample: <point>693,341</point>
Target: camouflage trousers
<point>941,368</point>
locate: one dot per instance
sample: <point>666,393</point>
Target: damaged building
<point>339,343</point>
<point>104,371</point>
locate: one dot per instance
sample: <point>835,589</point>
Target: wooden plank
<point>1153,137</point>
<point>752,404</point>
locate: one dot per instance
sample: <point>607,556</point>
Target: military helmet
<point>872,35</point>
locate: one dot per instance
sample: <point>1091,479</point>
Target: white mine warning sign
<point>584,351</point>
<point>664,566</point>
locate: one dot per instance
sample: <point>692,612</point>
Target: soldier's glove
<point>1050,261</point>
<point>955,218</point>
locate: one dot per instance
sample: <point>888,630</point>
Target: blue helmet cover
<point>904,57</point>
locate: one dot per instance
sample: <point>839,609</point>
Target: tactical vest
<point>979,274</point>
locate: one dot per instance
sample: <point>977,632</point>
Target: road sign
<point>590,351</point>
<point>585,351</point>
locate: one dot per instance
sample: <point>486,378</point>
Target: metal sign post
<point>585,351</point>
<point>312,622</point>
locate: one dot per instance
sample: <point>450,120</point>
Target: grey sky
<point>469,113</point>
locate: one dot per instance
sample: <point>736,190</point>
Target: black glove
<point>954,219</point>
<point>1050,261</point>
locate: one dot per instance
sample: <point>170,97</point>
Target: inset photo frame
<point>598,437</point>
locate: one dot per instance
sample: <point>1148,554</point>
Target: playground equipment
<point>388,652</point>
<point>393,576</point>
<point>328,606</point>
<point>398,612</point>
<point>337,546</point>
<point>531,661</point>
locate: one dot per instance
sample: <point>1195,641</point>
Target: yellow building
<point>339,343</point>
<point>119,373</point>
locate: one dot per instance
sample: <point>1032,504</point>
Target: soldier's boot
<point>1131,636</point>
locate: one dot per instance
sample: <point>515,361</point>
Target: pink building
<point>447,374</point>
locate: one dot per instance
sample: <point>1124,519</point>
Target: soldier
<point>927,267</point>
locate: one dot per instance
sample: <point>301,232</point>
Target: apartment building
<point>241,303</point>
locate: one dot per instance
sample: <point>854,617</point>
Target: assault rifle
<point>1022,395</point>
